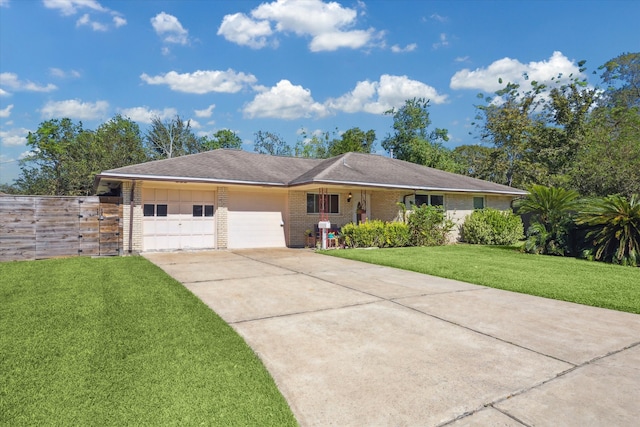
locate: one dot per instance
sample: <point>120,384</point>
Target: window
<point>154,210</point>
<point>149,210</point>
<point>429,199</point>
<point>198,210</point>
<point>313,203</point>
<point>161,210</point>
<point>478,202</point>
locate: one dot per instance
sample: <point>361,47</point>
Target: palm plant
<point>551,222</point>
<point>614,226</point>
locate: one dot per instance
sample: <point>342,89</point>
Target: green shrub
<point>396,235</point>
<point>428,226</point>
<point>375,233</point>
<point>492,227</point>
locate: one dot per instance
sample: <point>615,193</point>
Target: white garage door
<point>255,220</point>
<point>178,219</point>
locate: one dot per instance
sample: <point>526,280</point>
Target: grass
<point>568,279</point>
<point>115,341</point>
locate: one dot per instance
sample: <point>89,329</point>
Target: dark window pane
<point>149,210</point>
<point>197,210</point>
<point>437,200</point>
<point>208,210</point>
<point>161,210</point>
<point>478,203</point>
<point>333,203</point>
<point>312,204</point>
<point>422,199</point>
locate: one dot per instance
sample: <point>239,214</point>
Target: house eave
<point>413,187</point>
<point>132,177</point>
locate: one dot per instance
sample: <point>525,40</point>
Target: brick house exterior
<point>233,199</point>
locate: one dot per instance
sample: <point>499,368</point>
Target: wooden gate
<point>35,227</point>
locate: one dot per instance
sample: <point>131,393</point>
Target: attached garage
<point>256,219</point>
<point>178,219</point>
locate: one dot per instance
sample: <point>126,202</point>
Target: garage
<point>178,219</point>
<point>256,219</point>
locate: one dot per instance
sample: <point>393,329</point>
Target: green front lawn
<point>584,282</point>
<point>115,341</point>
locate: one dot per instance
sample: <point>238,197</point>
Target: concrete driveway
<point>352,344</point>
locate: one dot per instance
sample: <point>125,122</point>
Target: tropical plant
<point>492,227</point>
<point>614,228</point>
<point>552,210</point>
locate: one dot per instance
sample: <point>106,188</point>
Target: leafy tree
<point>621,76</point>
<point>510,127</point>
<point>411,141</point>
<point>65,157</point>
<point>482,162</point>
<point>353,140</point>
<point>608,158</point>
<point>171,138</point>
<point>552,209</point>
<point>614,227</point>
<point>59,150</point>
<point>223,138</point>
<point>118,143</point>
<point>314,146</point>
<point>271,143</point>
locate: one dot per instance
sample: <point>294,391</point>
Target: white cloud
<point>75,109</point>
<point>207,112</point>
<point>62,74</point>
<point>85,20</point>
<point>444,41</point>
<point>462,59</point>
<point>388,92</point>
<point>6,112</point>
<point>170,29</point>
<point>513,71</point>
<point>201,82</point>
<point>4,92</point>
<point>242,30</point>
<point>14,137</point>
<point>284,101</point>
<point>119,21</point>
<point>11,81</point>
<point>4,3</point>
<point>145,114</point>
<point>71,7</point>
<point>328,24</point>
<point>439,18</point>
<point>408,48</point>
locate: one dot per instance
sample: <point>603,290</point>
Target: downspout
<point>131,206</point>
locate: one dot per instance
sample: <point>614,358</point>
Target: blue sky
<point>286,65</point>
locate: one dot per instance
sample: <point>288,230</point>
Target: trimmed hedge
<point>376,233</point>
<point>492,227</point>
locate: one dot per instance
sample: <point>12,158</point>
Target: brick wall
<point>384,205</point>
<point>222,233</point>
<point>137,216</point>
<point>300,220</point>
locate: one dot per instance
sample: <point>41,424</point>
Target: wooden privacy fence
<point>38,227</point>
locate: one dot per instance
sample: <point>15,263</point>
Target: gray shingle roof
<point>358,169</point>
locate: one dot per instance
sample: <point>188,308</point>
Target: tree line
<point>564,134</point>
